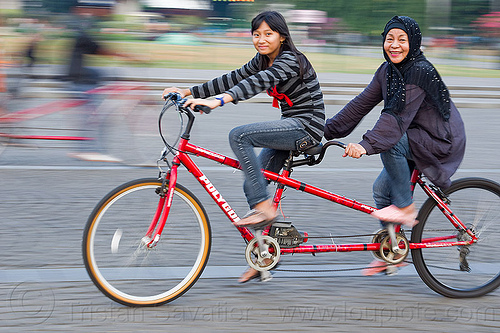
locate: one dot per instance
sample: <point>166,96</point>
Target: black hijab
<point>414,69</point>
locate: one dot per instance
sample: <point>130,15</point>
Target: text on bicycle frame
<point>218,197</point>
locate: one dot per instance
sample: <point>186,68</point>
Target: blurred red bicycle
<point>148,241</point>
<point>125,108</point>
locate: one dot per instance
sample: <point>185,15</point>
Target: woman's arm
<point>346,120</point>
<point>211,103</point>
<point>389,128</point>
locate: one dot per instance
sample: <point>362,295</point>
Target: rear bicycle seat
<point>314,155</point>
<point>313,150</point>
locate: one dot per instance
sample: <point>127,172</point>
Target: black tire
<point>130,273</point>
<point>476,202</point>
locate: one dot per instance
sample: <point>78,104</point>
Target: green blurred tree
<point>366,16</point>
<point>465,12</point>
<point>370,16</point>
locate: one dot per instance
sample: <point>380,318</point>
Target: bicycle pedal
<point>287,235</point>
<point>265,276</point>
<point>391,270</point>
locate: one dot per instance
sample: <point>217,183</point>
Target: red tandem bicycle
<point>148,241</point>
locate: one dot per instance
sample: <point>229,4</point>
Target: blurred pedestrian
<point>85,80</point>
<point>31,50</point>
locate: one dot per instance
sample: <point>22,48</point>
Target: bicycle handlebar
<point>177,99</point>
<point>203,108</point>
<point>315,157</point>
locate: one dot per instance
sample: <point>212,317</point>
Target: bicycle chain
<point>332,270</point>
<point>344,236</point>
<point>337,270</point>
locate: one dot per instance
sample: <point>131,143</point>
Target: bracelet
<point>221,99</point>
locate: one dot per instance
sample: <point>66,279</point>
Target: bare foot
<point>252,273</point>
<point>378,266</point>
<point>249,274</point>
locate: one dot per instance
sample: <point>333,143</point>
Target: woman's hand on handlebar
<point>354,150</point>
<point>182,92</point>
<point>212,104</point>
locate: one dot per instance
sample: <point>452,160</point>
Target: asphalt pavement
<point>47,197</point>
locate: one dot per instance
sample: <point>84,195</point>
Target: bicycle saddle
<point>313,150</point>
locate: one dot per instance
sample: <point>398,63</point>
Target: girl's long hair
<point>277,23</point>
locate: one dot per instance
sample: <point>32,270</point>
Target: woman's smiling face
<point>267,41</point>
<point>396,45</point>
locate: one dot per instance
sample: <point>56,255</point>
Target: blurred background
<point>338,36</point>
<point>47,113</point>
<point>54,54</point>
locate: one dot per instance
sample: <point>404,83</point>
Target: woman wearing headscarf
<point>419,124</point>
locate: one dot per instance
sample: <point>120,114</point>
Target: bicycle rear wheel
<point>468,271</point>
<point>127,271</point>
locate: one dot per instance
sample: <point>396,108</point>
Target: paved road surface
<point>46,198</point>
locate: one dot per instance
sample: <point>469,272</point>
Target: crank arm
<point>394,242</point>
<point>263,248</point>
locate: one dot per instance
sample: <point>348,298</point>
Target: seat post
<point>287,166</point>
<point>287,170</point>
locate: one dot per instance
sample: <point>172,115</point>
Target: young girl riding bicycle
<point>289,77</point>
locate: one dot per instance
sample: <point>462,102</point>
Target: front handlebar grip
<point>203,108</point>
<point>180,101</point>
<point>175,96</point>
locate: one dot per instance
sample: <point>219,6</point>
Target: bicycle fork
<point>166,193</point>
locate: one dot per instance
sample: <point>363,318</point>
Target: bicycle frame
<point>185,149</point>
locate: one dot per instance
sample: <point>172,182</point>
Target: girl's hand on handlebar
<point>212,104</point>
<point>182,92</point>
<point>354,150</point>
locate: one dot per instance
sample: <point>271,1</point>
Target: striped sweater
<point>284,74</point>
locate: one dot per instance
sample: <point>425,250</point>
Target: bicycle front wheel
<point>463,271</point>
<point>129,272</point>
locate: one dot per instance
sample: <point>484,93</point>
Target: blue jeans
<point>392,186</point>
<point>277,138</point>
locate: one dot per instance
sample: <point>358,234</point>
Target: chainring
<point>386,252</point>
<point>259,262</point>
